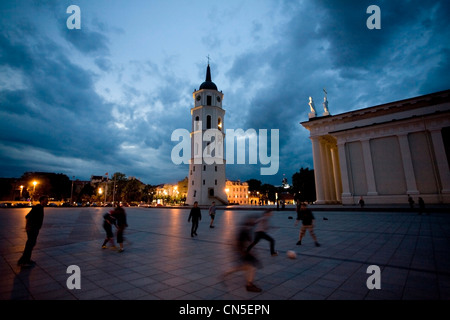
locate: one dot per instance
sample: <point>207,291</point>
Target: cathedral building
<point>383,153</point>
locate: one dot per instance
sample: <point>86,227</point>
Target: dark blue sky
<point>107,97</point>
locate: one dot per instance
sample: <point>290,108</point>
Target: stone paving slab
<point>162,262</point>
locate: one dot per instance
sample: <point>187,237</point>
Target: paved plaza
<point>162,262</point>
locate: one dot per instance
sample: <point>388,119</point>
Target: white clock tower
<point>207,165</point>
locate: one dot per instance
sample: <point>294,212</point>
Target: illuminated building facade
<point>237,192</point>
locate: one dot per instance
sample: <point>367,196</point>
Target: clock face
<point>198,97</point>
<point>218,99</point>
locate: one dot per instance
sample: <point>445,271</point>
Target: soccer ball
<point>291,254</point>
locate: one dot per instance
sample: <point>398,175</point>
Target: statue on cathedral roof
<point>325,104</point>
<point>312,107</point>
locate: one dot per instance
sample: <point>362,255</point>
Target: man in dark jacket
<point>196,216</point>
<point>34,220</point>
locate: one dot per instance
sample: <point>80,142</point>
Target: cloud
<point>87,41</point>
<point>327,44</point>
<point>67,96</point>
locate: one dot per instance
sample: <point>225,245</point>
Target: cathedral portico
<point>384,153</point>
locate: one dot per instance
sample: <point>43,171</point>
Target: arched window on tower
<point>197,123</point>
<point>208,122</point>
<point>219,124</point>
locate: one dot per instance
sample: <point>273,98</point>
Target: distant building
<point>176,191</point>
<point>237,192</point>
<point>183,187</point>
<point>166,190</point>
<point>97,179</point>
<point>384,153</point>
<point>286,198</point>
<point>254,198</point>
<point>78,185</point>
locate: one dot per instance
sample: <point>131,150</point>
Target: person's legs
<point>194,228</point>
<point>120,238</point>
<point>255,241</point>
<point>109,236</point>
<point>265,236</point>
<point>301,234</point>
<point>250,275</point>
<point>311,232</point>
<point>29,245</point>
<point>313,235</point>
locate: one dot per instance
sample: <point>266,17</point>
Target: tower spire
<point>208,84</point>
<point>208,73</point>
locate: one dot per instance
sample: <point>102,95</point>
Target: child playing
<point>305,214</point>
<point>108,222</point>
<point>121,223</point>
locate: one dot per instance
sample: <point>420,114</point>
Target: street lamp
<point>114,189</point>
<point>71,191</point>
<point>21,189</point>
<point>34,187</point>
<point>106,186</point>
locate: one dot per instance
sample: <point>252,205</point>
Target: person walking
<point>421,206</point>
<point>34,221</point>
<point>195,215</point>
<point>121,222</point>
<point>410,201</point>
<point>306,216</point>
<point>246,261</point>
<point>361,202</point>
<point>261,228</point>
<point>108,222</point>
<point>212,213</point>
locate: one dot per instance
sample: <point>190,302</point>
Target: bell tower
<point>207,164</point>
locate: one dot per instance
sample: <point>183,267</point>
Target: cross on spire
<point>208,58</point>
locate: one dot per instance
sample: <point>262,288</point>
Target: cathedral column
<point>368,166</point>
<point>441,159</point>
<point>317,170</point>
<point>331,177</point>
<point>325,171</point>
<point>344,171</point>
<point>408,168</point>
<point>336,173</point>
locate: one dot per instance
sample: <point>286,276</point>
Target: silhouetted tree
<point>254,185</point>
<point>303,185</point>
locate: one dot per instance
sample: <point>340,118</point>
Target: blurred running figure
<point>212,213</point>
<point>121,222</point>
<point>246,261</point>
<point>306,216</point>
